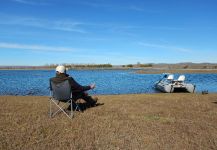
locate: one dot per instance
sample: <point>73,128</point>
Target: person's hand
<point>92,86</point>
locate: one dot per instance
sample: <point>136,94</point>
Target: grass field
<point>145,121</point>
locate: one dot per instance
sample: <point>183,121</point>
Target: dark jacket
<point>76,87</point>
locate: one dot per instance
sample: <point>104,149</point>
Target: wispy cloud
<point>106,5</point>
<point>31,2</point>
<point>135,30</point>
<point>136,8</point>
<point>139,28</point>
<point>166,47</point>
<point>93,4</point>
<point>34,47</point>
<point>61,25</point>
<point>167,28</point>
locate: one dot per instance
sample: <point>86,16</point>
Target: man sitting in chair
<point>78,91</point>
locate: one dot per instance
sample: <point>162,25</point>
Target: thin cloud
<point>103,4</point>
<point>31,2</point>
<point>93,4</point>
<point>61,25</point>
<point>167,28</point>
<point>133,30</point>
<point>136,8</point>
<point>166,47</point>
<point>34,47</point>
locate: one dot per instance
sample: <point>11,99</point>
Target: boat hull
<point>172,88</point>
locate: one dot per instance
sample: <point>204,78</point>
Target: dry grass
<point>149,121</point>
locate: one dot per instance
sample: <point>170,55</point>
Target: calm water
<point>36,82</point>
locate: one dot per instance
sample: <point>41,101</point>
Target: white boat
<point>168,85</point>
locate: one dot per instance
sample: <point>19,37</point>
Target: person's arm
<point>76,87</point>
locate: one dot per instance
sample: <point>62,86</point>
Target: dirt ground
<point>144,121</point>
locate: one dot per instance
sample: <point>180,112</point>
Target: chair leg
<point>71,109</point>
<point>60,109</point>
<point>50,114</point>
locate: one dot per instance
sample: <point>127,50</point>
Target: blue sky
<point>39,32</point>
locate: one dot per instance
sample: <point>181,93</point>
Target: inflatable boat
<point>168,85</point>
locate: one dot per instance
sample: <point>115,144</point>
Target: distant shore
<point>137,70</point>
<point>134,121</point>
<point>180,71</point>
<point>187,67</point>
<point>113,68</point>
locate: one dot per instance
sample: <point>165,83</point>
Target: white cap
<point>61,69</point>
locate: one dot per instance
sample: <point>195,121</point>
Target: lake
<point>36,82</point>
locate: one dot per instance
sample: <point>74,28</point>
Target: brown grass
<point>146,121</point>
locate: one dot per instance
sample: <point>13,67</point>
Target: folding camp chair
<point>62,92</point>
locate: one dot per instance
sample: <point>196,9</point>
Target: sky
<point>40,32</point>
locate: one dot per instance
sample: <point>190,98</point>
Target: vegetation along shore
<point>162,66</point>
<point>143,121</point>
<point>180,71</point>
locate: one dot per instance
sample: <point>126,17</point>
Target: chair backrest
<point>181,78</point>
<point>170,77</point>
<point>61,91</point>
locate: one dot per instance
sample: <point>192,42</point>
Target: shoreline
<point>119,95</point>
<point>137,70</point>
<point>191,71</point>
<point>108,95</point>
<point>71,69</point>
